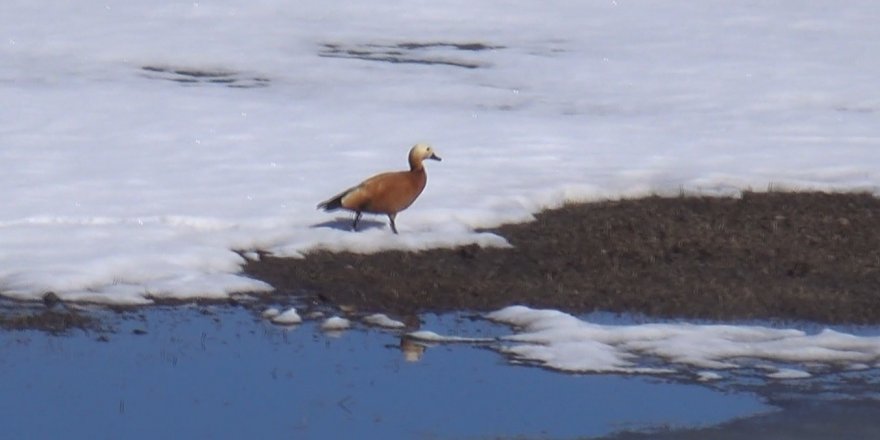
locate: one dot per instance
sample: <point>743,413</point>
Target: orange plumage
<point>386,193</point>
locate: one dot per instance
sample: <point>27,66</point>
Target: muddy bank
<point>50,318</point>
<point>813,256</point>
<point>807,420</point>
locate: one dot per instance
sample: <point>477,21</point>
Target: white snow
<point>288,317</point>
<point>382,320</point>
<point>429,336</point>
<point>335,323</point>
<point>789,373</point>
<point>708,376</point>
<point>271,312</point>
<point>563,342</point>
<point>143,143</point>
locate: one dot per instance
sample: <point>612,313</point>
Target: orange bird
<point>386,193</point>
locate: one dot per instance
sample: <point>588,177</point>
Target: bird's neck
<point>415,164</point>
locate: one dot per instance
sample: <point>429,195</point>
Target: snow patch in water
<point>560,341</point>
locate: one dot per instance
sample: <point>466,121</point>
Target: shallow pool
<point>223,372</point>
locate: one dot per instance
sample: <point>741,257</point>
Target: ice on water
<point>287,317</point>
<point>144,145</point>
<point>335,323</point>
<point>564,342</point>
<point>383,320</point>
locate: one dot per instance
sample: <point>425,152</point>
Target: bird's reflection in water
<point>412,350</point>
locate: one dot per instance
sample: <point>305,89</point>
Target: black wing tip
<point>330,205</point>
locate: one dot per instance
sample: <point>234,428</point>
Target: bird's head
<point>420,152</point>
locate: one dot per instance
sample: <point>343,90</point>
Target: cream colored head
<point>420,152</point>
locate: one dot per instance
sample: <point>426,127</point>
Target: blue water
<point>229,374</point>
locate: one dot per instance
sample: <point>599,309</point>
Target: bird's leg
<point>393,226</point>
<point>357,218</point>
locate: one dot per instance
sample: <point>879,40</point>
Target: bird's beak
<point>435,157</point>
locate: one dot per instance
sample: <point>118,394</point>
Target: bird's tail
<point>331,204</point>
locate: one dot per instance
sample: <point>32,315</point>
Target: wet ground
<point>839,419</point>
<point>54,319</point>
<point>779,255</point>
<point>775,255</point>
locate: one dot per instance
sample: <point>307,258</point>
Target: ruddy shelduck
<point>386,193</point>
